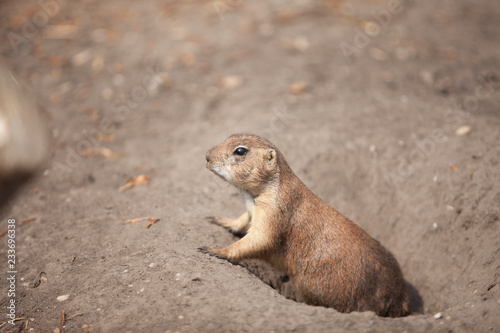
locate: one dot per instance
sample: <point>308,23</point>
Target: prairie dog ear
<point>270,157</point>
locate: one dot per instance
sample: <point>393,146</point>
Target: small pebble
<point>298,87</point>
<point>438,315</point>
<point>231,81</point>
<point>56,330</point>
<point>85,326</point>
<point>62,298</point>
<point>434,225</point>
<point>463,130</point>
<point>301,43</point>
<point>298,44</point>
<point>151,265</point>
<point>80,58</point>
<point>372,29</point>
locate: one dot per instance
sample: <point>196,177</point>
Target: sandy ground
<point>396,124</point>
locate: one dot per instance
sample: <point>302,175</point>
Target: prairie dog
<point>332,261</point>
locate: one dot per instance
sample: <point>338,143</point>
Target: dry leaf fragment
<point>298,87</point>
<point>106,137</point>
<point>18,223</point>
<point>81,58</point>
<point>287,15</point>
<point>75,315</point>
<point>29,219</point>
<point>134,181</point>
<point>2,324</point>
<point>134,220</point>
<point>102,152</point>
<point>60,31</point>
<point>151,222</point>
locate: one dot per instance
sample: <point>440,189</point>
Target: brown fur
<point>332,261</point>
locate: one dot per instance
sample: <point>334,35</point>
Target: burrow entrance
<point>282,284</point>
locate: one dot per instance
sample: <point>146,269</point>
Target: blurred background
<point>387,109</point>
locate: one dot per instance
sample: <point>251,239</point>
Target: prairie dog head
<point>247,161</point>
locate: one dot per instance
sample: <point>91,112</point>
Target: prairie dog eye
<point>241,151</point>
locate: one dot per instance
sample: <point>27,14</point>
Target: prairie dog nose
<point>207,155</point>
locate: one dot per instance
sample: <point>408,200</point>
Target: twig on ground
<point>39,280</point>
<point>19,223</point>
<point>152,220</point>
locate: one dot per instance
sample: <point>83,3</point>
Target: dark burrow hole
<point>274,278</point>
<point>281,283</point>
